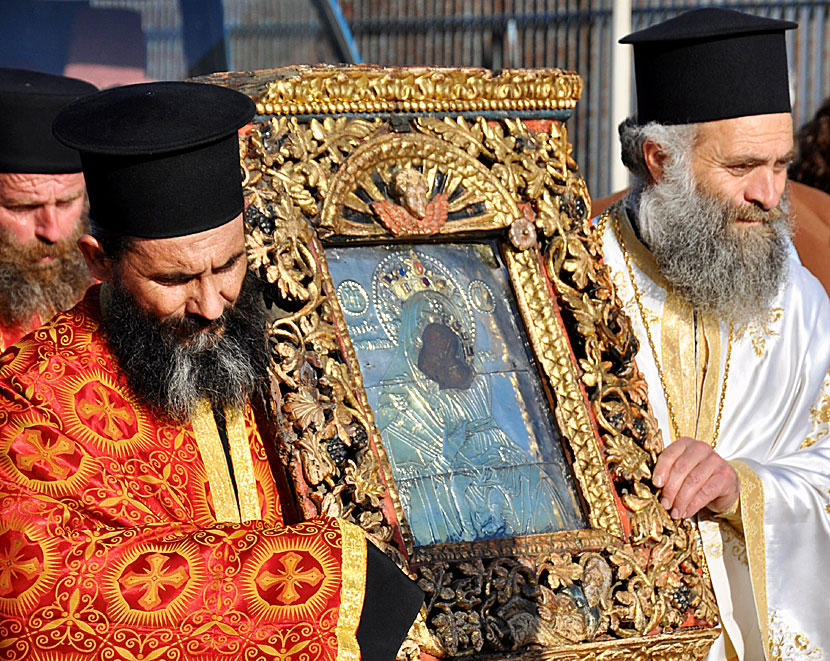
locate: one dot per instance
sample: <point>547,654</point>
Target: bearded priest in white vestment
<point>734,333</point>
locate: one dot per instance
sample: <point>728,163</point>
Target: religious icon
<point>456,401</point>
<point>451,367</point>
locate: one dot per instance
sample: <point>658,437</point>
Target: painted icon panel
<point>456,396</point>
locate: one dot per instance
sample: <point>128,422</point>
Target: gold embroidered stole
<point>225,505</point>
<point>691,350</point>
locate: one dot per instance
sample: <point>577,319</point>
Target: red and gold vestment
<point>122,536</point>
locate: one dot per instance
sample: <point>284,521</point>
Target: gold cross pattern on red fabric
<point>105,411</point>
<point>18,562</point>
<point>292,578</point>
<point>154,579</point>
<point>35,449</point>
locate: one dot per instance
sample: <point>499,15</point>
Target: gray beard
<point>28,288</point>
<point>174,364</point>
<point>718,267</point>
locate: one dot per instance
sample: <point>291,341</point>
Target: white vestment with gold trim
<point>773,580</point>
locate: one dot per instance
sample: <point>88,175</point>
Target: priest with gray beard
<point>139,513</point>
<point>734,333</point>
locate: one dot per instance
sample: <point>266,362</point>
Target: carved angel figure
<point>415,212</point>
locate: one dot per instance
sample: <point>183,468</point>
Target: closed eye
<point>175,279</point>
<point>230,264</point>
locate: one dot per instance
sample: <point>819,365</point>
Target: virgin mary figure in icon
<point>459,476</point>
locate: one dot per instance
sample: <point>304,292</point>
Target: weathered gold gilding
<point>368,89</point>
<point>634,585</point>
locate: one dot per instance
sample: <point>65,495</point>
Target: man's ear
<point>655,159</point>
<point>99,264</point>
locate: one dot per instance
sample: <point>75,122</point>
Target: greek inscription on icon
<point>353,298</point>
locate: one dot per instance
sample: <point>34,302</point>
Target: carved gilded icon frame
<point>631,585</point>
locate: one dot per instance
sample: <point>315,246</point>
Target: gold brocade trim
<point>352,590</point>
<point>693,376</point>
<point>677,350</point>
<point>709,340</point>
<point>216,466</point>
<point>639,253</point>
<point>243,465</point>
<point>733,517</point>
<point>752,516</point>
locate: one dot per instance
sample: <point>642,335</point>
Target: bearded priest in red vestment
<point>139,518</point>
<point>42,203</point>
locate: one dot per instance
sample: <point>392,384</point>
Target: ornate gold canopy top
<point>371,89</point>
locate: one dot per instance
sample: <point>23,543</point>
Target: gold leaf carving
<point>325,90</point>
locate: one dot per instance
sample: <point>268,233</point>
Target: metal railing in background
<point>571,34</point>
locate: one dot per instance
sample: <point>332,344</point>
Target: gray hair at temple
<point>676,139</point>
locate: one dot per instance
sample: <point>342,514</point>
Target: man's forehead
<point>14,184</point>
<point>193,252</point>
<point>760,135</point>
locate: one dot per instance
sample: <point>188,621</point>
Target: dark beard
<point>173,364</point>
<point>716,265</point>
<point>28,288</point>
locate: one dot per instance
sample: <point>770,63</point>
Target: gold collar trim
<point>639,253</point>
<point>243,466</point>
<point>225,505</point>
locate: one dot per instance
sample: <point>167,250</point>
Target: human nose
<point>47,224</point>
<point>765,188</point>
<point>206,300</point>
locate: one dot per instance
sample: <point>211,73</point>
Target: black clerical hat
<point>29,101</point>
<point>160,159</point>
<point>709,64</point>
